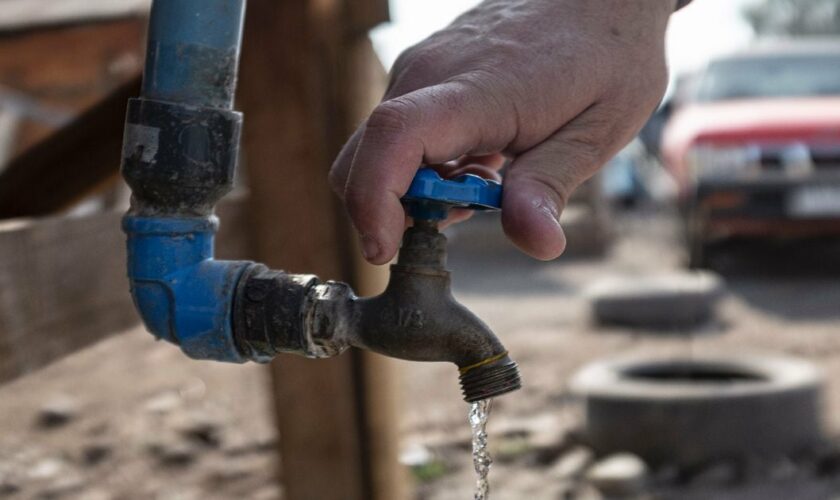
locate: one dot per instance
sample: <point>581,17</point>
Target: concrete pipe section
<point>690,411</point>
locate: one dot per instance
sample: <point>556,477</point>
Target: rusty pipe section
<point>416,318</point>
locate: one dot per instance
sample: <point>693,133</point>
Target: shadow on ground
<point>477,264</point>
<point>774,276</point>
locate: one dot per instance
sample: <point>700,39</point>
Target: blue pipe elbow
<point>183,295</point>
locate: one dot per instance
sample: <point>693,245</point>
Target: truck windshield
<point>767,77</point>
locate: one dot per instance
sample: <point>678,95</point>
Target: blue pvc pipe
<point>193,51</point>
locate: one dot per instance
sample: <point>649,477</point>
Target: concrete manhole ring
<point>690,411</point>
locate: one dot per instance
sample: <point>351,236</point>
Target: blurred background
<point>685,346</point>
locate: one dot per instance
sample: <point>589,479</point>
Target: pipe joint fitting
<point>178,159</point>
<point>329,320</point>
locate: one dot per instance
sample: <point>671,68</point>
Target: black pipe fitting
<point>416,318</point>
<point>178,159</point>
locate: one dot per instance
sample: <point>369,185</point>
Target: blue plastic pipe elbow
<point>183,295</point>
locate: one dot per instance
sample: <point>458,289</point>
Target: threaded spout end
<point>490,380</point>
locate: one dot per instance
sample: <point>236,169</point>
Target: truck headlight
<point>724,162</point>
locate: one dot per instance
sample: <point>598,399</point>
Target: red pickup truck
<point>756,151</point>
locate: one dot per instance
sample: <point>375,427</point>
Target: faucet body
<point>416,318</point>
<point>179,156</point>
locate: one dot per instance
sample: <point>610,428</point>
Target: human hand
<point>557,86</point>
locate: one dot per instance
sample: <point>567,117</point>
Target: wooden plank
<point>297,90</point>
<point>63,283</point>
<point>40,83</point>
<point>20,14</point>
<point>71,164</point>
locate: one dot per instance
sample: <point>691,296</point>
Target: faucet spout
<point>417,318</point>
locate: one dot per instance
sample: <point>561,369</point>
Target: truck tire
<point>672,301</point>
<point>692,411</point>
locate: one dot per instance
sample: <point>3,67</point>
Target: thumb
<point>540,181</point>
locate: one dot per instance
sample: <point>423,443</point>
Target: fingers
<point>431,125</point>
<point>456,215</point>
<point>486,166</point>
<point>539,182</point>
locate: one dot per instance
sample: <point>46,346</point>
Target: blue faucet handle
<point>430,196</point>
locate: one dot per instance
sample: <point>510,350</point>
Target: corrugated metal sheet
<point>22,14</point>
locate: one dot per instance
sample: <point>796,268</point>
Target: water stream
<point>479,411</point>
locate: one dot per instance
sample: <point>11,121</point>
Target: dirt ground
<point>132,418</point>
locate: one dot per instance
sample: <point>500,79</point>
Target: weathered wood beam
<point>76,161</point>
<point>46,87</point>
<point>63,283</point>
<point>29,14</point>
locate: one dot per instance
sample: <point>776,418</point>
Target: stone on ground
<point>57,412</point>
<point>572,464</point>
<point>618,475</point>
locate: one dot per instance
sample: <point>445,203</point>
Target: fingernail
<point>370,247</point>
<point>548,208</point>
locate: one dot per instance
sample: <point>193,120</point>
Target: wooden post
<point>305,79</point>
